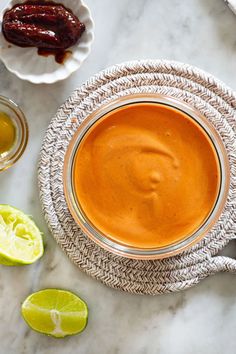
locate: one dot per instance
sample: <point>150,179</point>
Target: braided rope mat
<point>214,100</point>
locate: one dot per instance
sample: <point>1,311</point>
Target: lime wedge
<point>20,239</point>
<point>54,312</point>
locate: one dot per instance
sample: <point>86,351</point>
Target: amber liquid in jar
<point>7,134</point>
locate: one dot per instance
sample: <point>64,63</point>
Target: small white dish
<point>28,65</point>
<point>231,4</point>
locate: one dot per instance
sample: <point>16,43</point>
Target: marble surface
<point>200,320</point>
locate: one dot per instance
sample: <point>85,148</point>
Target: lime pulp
<point>20,239</point>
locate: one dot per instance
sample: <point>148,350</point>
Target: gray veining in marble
<point>200,320</point>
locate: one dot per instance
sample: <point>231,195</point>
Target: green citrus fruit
<point>55,312</point>
<point>20,240</point>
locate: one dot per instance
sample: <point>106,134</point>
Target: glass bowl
<point>7,159</point>
<point>125,250</point>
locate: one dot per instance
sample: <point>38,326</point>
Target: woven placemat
<point>201,90</point>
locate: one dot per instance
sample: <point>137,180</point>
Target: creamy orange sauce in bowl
<point>146,177</point>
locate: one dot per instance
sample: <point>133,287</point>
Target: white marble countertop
<point>200,320</point>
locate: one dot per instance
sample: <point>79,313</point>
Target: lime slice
<point>20,239</point>
<point>54,312</point>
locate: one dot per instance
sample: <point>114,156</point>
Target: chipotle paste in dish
<point>49,26</point>
<point>146,175</point>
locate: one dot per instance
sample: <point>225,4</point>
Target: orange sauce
<point>146,175</point>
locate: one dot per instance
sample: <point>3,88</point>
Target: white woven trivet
<point>201,90</point>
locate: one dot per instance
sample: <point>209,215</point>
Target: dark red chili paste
<point>49,26</point>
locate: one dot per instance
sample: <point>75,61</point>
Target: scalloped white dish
<point>231,4</point>
<point>28,65</point>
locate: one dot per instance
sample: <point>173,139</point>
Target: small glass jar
<point>11,109</point>
<point>138,253</point>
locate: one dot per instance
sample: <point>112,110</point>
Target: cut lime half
<point>55,312</point>
<point>20,240</point>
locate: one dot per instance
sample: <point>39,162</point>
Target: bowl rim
<point>132,252</point>
<point>46,78</point>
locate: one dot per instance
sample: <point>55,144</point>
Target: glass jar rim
<point>121,249</point>
<point>22,134</point>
